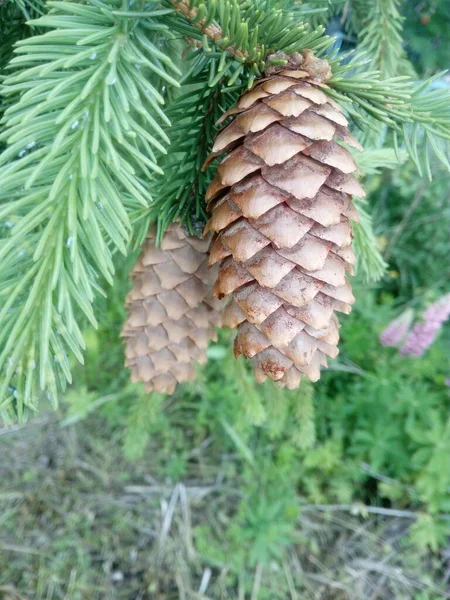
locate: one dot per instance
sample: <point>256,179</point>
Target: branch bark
<point>214,32</point>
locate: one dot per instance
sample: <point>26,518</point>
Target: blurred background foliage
<point>232,490</point>
<point>427,31</point>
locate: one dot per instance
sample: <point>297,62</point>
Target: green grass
<point>80,522</point>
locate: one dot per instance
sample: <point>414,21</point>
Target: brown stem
<point>214,32</point>
<point>318,68</point>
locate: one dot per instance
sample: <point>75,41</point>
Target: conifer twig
<point>79,151</point>
<point>213,31</point>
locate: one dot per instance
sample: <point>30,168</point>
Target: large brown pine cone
<point>281,202</point>
<point>171,311</point>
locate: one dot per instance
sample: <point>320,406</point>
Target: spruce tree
<point>110,110</point>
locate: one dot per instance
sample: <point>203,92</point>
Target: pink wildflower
<point>439,311</point>
<point>423,334</point>
<point>397,329</point>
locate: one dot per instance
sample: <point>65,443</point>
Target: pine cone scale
<point>300,177</point>
<point>281,207</point>
<point>312,126</point>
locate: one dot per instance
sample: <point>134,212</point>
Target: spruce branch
<point>211,30</point>
<point>418,115</point>
<point>31,9</point>
<point>381,35</point>
<point>13,14</point>
<point>370,263</point>
<point>180,193</point>
<point>83,139</point>
<point>246,30</point>
<point>318,12</point>
<point>373,160</point>
<point>86,137</point>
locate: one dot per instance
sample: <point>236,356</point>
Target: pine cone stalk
<point>281,203</point>
<point>171,311</point>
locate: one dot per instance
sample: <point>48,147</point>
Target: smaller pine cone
<point>281,206</point>
<point>171,311</point>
